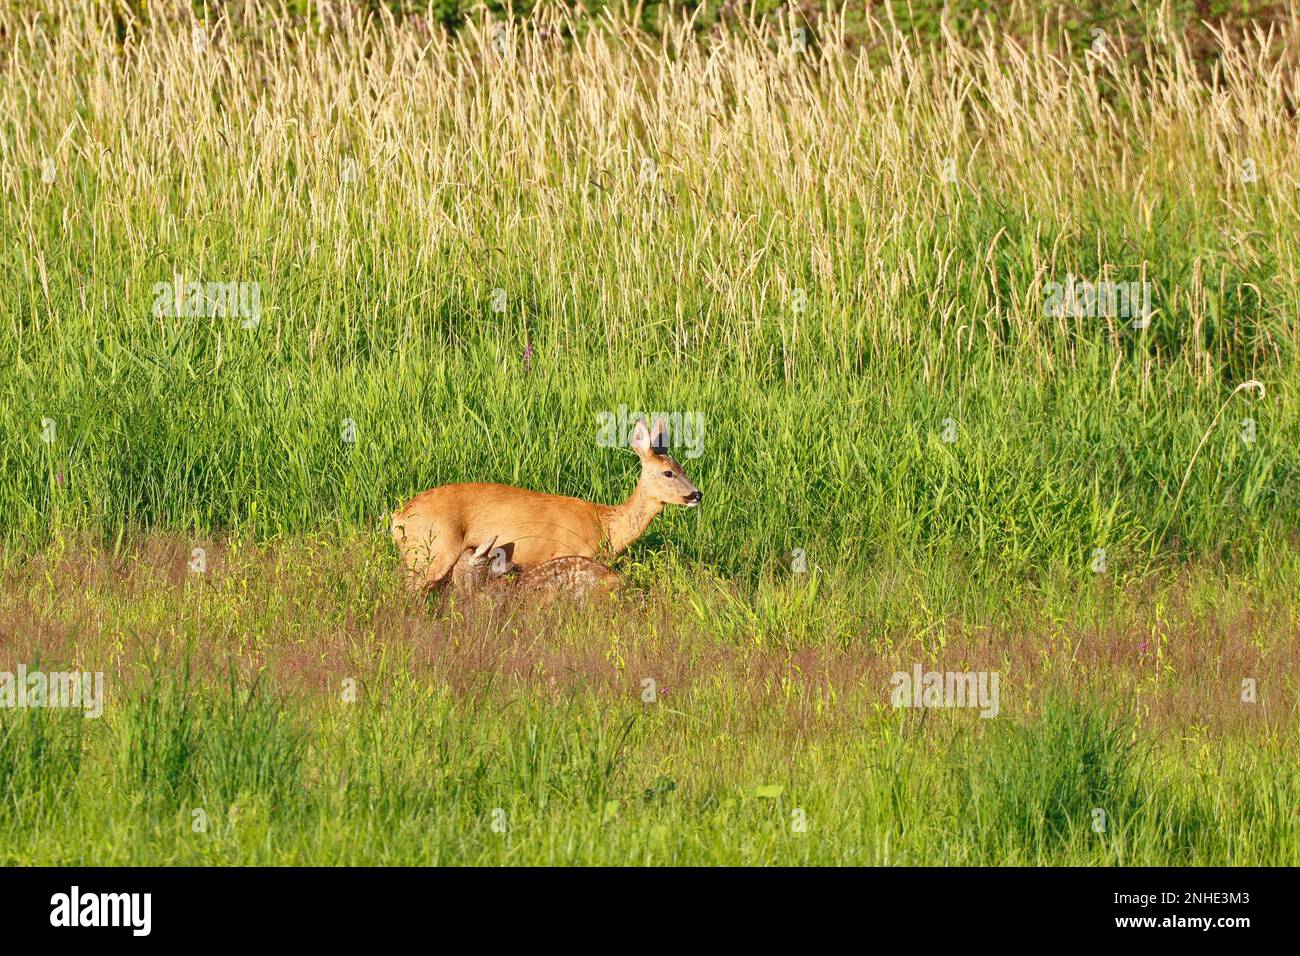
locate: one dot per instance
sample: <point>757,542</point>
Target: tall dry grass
<point>731,169</point>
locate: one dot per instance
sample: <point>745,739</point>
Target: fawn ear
<point>659,437</point>
<point>641,438</point>
<point>482,552</point>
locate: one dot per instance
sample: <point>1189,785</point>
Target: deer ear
<point>640,438</point>
<point>482,551</point>
<point>659,437</point>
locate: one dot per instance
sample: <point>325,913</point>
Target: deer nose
<point>695,496</point>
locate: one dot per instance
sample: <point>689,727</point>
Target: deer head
<point>662,478</point>
<point>482,565</point>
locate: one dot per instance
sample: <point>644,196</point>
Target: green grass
<point>292,704</point>
<point>849,472</point>
<point>420,778</point>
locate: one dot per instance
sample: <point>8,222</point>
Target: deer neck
<point>624,523</point>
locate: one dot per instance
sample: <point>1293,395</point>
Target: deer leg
<point>441,563</point>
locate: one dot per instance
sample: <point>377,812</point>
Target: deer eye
<point>668,474</point>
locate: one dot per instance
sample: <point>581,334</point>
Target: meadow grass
<point>836,247</point>
<point>295,705</point>
<point>426,780</point>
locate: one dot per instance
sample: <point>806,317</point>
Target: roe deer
<point>434,528</point>
<point>571,575</point>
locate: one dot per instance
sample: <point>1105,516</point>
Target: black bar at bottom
<point>337,906</point>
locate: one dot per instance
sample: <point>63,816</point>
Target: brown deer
<point>433,530</point>
<point>572,575</point>
<point>482,571</point>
